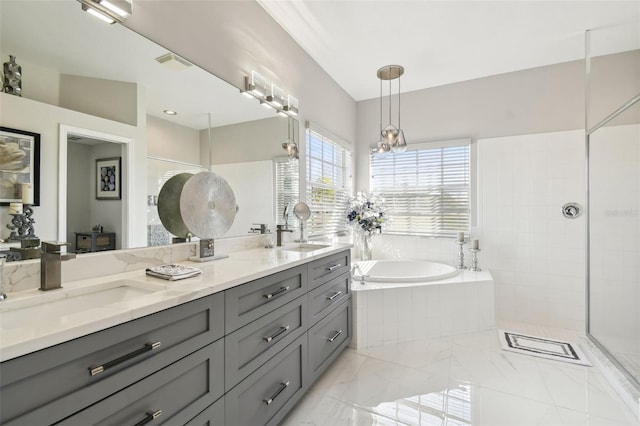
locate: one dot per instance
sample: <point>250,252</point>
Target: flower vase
<point>365,246</point>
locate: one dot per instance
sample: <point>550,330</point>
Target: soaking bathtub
<point>398,301</point>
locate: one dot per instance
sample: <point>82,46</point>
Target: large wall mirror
<point>97,92</point>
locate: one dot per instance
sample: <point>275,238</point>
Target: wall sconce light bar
<point>292,105</point>
<point>255,86</point>
<point>276,97</point>
<point>109,11</point>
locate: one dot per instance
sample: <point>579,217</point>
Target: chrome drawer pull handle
<point>335,336</point>
<point>149,418</point>
<point>275,293</point>
<point>283,386</point>
<point>332,267</point>
<point>97,369</point>
<point>277,333</point>
<point>334,295</point>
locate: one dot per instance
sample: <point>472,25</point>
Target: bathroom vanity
<point>238,346</point>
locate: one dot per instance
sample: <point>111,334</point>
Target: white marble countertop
<point>18,339</point>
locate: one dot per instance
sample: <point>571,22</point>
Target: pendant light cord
<point>210,146</point>
<point>399,126</point>
<point>390,101</point>
<point>380,134</point>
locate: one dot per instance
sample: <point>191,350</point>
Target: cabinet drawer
<point>324,298</point>
<point>328,338</point>
<point>58,379</point>
<point>211,416</point>
<point>249,347</point>
<point>266,395</point>
<point>177,393</point>
<point>250,301</point>
<point>327,268</point>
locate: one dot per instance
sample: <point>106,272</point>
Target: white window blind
<point>286,189</point>
<point>328,182</point>
<point>427,190</point>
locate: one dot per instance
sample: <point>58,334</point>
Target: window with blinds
<point>286,190</point>
<point>427,188</point>
<point>328,182</point>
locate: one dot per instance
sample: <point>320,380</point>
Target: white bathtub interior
<point>402,271</point>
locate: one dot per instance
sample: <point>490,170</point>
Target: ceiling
<point>443,42</point>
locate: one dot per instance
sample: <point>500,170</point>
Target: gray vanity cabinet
<point>251,346</point>
<point>327,296</point>
<point>328,337</point>
<point>250,301</point>
<point>239,357</point>
<point>173,395</point>
<point>268,394</point>
<point>48,385</point>
<point>328,268</point>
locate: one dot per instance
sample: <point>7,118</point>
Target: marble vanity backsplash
<point>25,275</point>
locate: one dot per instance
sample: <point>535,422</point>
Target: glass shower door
<point>614,249</point>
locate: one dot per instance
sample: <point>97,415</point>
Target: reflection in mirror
<point>79,75</point>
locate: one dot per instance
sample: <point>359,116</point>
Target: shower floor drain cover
<point>542,347</point>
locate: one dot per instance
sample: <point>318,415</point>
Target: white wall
<point>536,255</point>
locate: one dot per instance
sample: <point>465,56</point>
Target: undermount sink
<point>304,247</point>
<point>58,305</point>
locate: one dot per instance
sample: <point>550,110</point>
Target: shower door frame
<point>588,132</point>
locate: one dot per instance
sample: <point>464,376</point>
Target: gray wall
<point>232,38</point>
<point>251,141</point>
<point>113,100</point>
<point>544,99</point>
<point>83,210</point>
<point>79,168</point>
<point>172,141</point>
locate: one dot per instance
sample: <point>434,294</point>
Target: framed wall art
<point>108,179</point>
<point>19,166</point>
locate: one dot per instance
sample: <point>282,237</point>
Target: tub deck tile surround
<point>392,313</point>
<point>241,267</point>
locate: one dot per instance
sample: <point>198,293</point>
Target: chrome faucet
<point>51,257</point>
<point>279,231</point>
<point>356,267</point>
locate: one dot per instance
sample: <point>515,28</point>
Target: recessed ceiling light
<point>169,112</point>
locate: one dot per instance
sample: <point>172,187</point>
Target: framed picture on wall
<point>19,166</point>
<point>108,179</point>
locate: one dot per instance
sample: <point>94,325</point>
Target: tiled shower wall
<point>536,256</point>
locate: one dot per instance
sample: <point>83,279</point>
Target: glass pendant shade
<point>291,147</point>
<point>390,133</point>
<point>383,146</point>
<point>399,144</point>
<point>392,137</point>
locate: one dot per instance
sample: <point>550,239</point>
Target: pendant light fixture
<point>289,144</point>
<point>391,137</point>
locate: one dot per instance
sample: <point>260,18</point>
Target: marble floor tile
<point>459,381</point>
